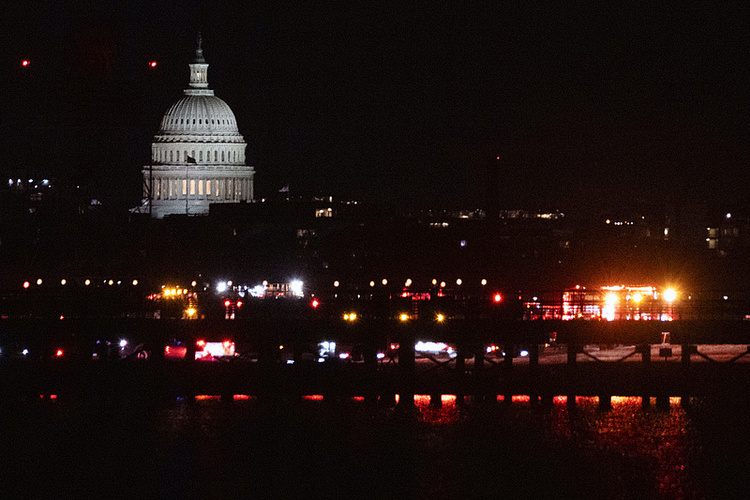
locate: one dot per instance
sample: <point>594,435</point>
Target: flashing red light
<point>239,303</point>
<point>227,303</point>
<point>25,62</point>
<point>497,298</point>
<point>59,353</point>
<point>152,64</point>
<point>315,303</point>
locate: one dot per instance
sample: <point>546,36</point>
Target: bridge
<point>277,356</point>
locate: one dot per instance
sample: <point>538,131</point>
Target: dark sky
<point>584,104</point>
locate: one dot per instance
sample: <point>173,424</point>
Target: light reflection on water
<point>213,447</point>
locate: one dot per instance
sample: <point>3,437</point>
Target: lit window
<point>192,186</point>
<point>200,187</point>
<point>184,186</point>
<point>208,187</point>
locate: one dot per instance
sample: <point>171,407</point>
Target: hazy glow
<point>296,288</point>
<point>221,287</point>
<point>670,295</point>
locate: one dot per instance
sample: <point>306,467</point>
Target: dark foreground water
<point>320,449</point>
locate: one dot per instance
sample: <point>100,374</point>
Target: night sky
<point>584,104</point>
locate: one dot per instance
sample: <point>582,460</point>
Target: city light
<point>459,282</point>
<point>440,318</point>
<point>135,282</point>
<point>190,311</point>
<point>26,284</point>
<point>315,303</point>
<point>39,281</point>
<point>403,317</point>
<point>63,282</point>
<point>385,281</point>
<point>221,287</point>
<point>152,64</point>
<point>408,282</point>
<point>670,295</point>
<point>336,284</point>
<point>25,63</point>
<point>484,282</point>
<point>497,298</point>
<point>296,288</point>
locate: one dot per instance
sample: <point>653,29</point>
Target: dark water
<point>347,449</point>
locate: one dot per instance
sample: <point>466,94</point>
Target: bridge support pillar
<point>508,373</point>
<point>645,350</point>
<point>436,400</point>
<point>662,402</point>
<point>406,367</point>
<point>605,402</point>
<point>534,374</point>
<point>460,375</point>
<point>686,382</point>
<point>478,374</point>
<point>572,372</point>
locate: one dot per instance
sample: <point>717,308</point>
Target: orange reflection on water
<point>207,397</point>
<point>660,438</point>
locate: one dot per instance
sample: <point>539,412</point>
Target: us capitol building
<point>198,155</point>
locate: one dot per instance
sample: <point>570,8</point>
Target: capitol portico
<point>198,155</point>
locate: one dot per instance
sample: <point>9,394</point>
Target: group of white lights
<point>409,282</point>
<point>295,287</point>
<point>87,282</point>
<point>11,182</point>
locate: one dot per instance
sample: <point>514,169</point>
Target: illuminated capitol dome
<point>198,155</point>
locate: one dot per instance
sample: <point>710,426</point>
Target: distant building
<point>198,155</point>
